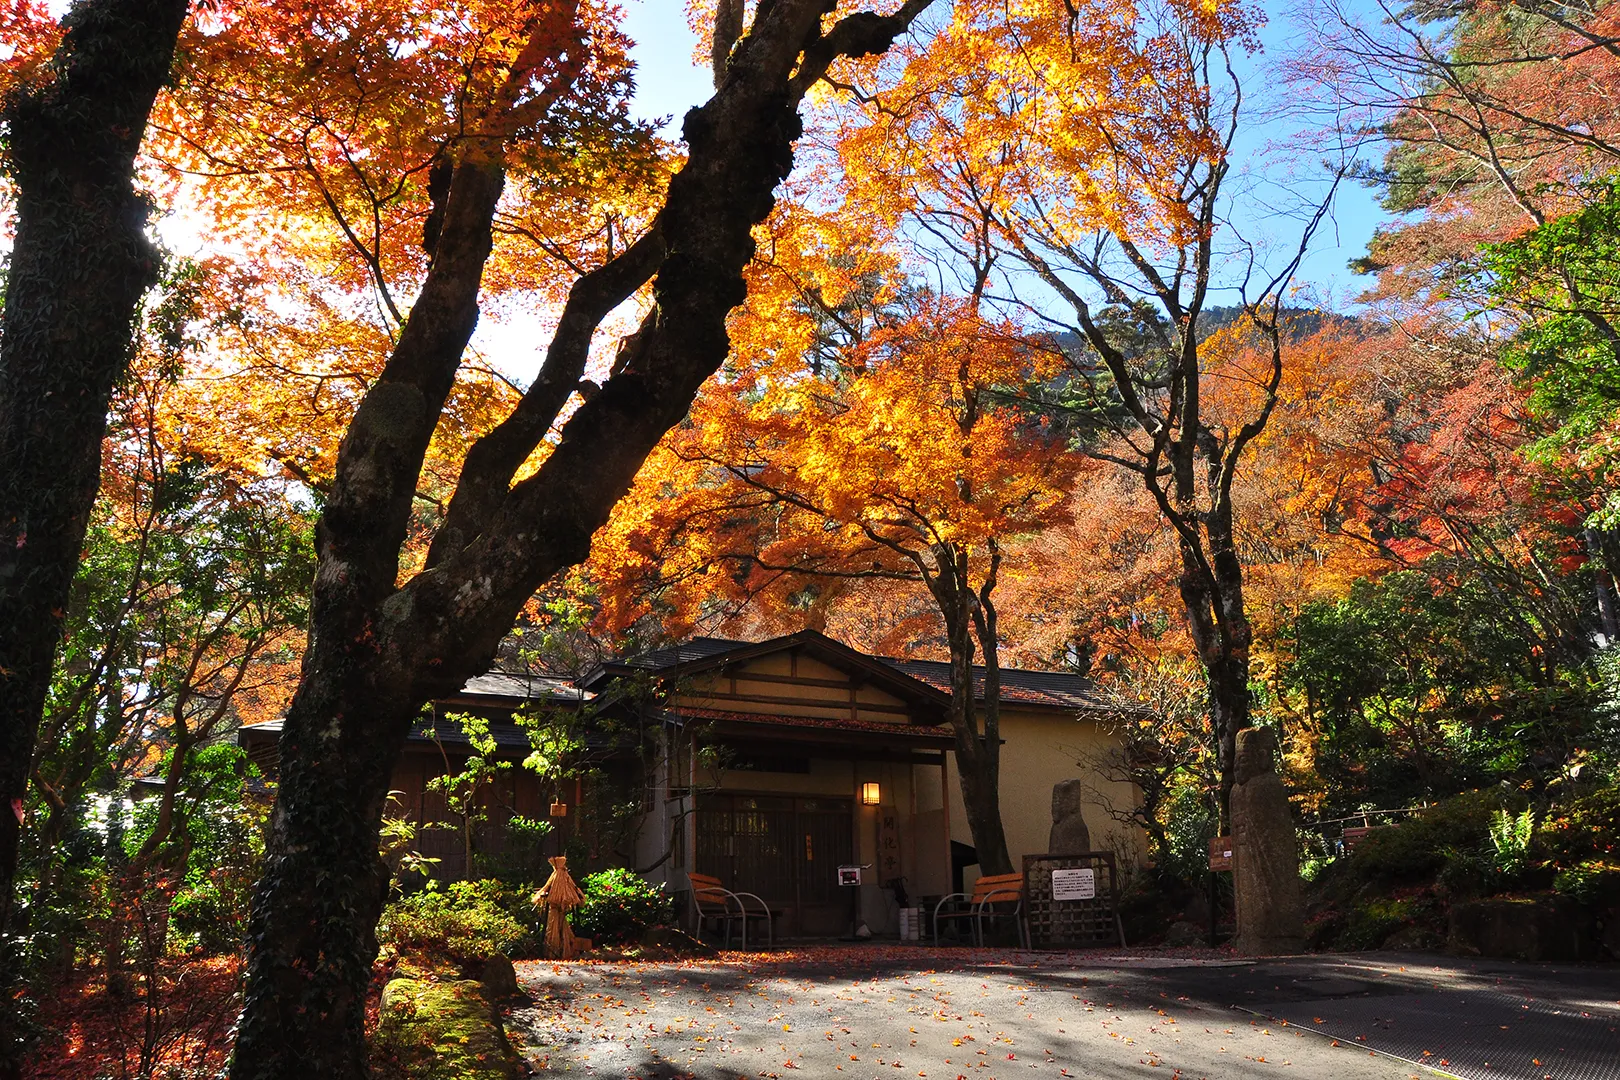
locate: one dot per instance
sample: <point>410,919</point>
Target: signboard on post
<point>1069,901</point>
<point>1220,853</point>
<point>1074,884</point>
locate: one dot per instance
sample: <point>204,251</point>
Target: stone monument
<point>1265,854</point>
<point>1069,835</point>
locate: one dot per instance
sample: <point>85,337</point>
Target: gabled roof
<point>691,652</point>
<point>709,654</point>
<point>508,736</point>
<point>1019,686</point>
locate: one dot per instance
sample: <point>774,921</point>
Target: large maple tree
<point>867,431</point>
<point>1090,154</point>
<point>533,488</point>
<point>412,160</point>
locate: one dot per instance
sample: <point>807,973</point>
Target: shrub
<point>1586,828</point>
<point>1189,825</point>
<point>1470,871</point>
<point>1593,882</point>
<point>620,906</point>
<point>1417,849</point>
<point>468,922</point>
<point>1369,924</point>
<point>1510,840</point>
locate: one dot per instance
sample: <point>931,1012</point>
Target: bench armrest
<point>764,908</point>
<point>998,896</point>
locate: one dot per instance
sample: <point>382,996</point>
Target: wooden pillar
<point>945,812</point>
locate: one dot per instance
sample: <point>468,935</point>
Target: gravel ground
<point>890,1012</point>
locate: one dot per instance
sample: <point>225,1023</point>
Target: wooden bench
<point>994,896</point>
<point>713,902</point>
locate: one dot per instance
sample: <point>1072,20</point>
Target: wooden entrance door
<point>784,849</point>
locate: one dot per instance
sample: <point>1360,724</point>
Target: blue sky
<point>668,84</point>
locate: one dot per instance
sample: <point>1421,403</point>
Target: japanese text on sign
<point>1074,884</point>
<point>888,844</point>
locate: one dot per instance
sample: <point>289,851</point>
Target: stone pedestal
<point>1069,834</point>
<point>1265,853</point>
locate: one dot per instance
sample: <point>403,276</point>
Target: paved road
<point>890,1012</point>
<point>1475,1019</point>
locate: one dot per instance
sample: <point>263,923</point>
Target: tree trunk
<point>1603,586</point>
<point>312,930</point>
<point>1221,633</point>
<point>378,652</point>
<point>79,264</point>
<point>978,753</point>
<point>1229,710</point>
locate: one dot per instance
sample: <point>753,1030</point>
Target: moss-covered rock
<point>1369,924</point>
<point>441,1028</point>
<point>498,978</point>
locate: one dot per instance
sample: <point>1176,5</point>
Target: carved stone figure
<point>1069,834</point>
<point>1265,854</point>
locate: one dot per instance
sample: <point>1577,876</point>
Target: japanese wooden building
<point>774,763</point>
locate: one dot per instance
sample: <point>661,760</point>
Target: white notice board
<point>1074,884</point>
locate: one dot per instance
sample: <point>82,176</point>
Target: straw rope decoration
<point>561,895</point>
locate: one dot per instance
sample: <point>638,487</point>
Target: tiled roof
<point>503,684</point>
<point>823,723</point>
<point>699,648</point>
<point>1059,689</point>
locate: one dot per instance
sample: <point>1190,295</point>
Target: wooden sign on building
<point>888,845</point>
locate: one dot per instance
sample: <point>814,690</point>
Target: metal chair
<point>988,900</point>
<point>715,903</point>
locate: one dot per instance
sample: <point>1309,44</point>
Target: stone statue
<point>1265,854</point>
<point>1069,834</point>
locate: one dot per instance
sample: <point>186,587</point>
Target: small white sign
<point>1074,884</point>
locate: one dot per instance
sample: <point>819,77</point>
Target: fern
<point>1510,837</point>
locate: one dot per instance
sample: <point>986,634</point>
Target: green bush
<point>1189,825</point>
<point>221,832</point>
<point>1470,871</point>
<point>620,906</point>
<point>1418,848</point>
<point>467,922</point>
<point>1510,840</point>
<point>1594,881</point>
<point>1586,828</point>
